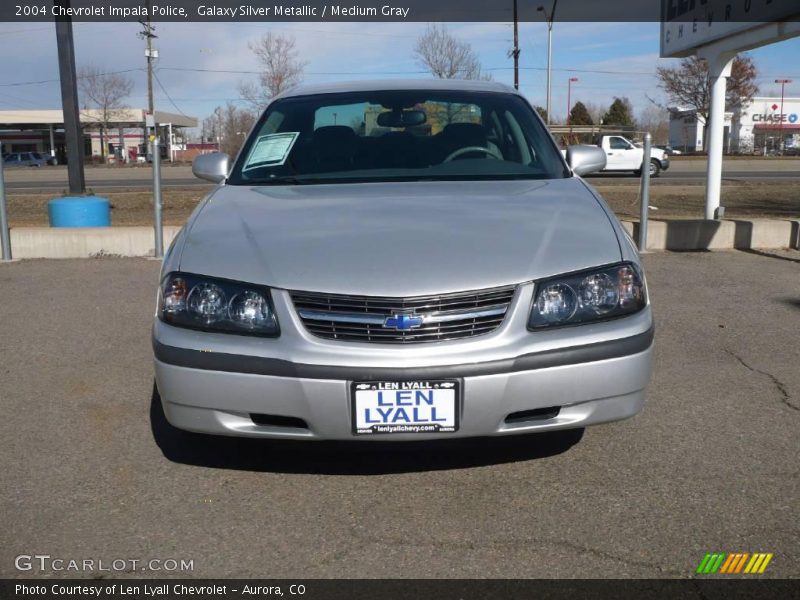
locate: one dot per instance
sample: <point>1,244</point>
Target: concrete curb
<point>676,235</point>
<point>699,234</point>
<point>79,242</point>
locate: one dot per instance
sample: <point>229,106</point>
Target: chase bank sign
<point>772,114</point>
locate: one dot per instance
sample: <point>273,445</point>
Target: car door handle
<point>610,153</point>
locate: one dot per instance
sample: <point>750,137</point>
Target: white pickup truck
<point>624,155</point>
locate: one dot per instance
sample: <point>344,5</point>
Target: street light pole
<point>569,100</point>
<point>783,83</point>
<point>549,18</point>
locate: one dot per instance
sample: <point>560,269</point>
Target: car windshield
<point>397,136</point>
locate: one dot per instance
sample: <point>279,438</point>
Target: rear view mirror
<point>211,167</point>
<point>402,118</point>
<point>585,159</point>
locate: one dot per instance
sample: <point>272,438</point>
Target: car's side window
<point>617,143</point>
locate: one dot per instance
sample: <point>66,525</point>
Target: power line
<point>15,31</point>
<point>23,83</point>
<point>419,72</point>
<point>166,93</point>
<point>317,73</point>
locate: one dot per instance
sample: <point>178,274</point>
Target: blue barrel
<point>79,211</point>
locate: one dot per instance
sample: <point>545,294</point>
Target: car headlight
<point>211,304</point>
<point>594,295</point>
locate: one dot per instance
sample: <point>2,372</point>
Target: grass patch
<point>777,200</point>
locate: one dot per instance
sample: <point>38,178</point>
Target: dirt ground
<point>741,200</point>
<point>776,200</point>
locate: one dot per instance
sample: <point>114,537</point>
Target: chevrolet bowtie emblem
<point>403,322</point>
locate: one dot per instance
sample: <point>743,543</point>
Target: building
<point>761,127</point>
<point>125,140</point>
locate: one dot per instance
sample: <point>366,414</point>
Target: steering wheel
<point>467,149</point>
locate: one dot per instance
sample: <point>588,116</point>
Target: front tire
<point>655,169</point>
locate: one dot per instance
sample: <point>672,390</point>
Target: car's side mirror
<point>211,167</point>
<point>584,159</point>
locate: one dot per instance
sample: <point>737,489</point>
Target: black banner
<point>699,12</point>
<point>398,589</point>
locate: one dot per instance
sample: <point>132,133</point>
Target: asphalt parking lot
<point>89,468</point>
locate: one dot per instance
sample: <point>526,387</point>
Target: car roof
<point>372,85</point>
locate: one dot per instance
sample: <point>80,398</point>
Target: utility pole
<point>549,17</point>
<point>69,100</point>
<point>783,83</point>
<point>148,33</point>
<point>515,50</point>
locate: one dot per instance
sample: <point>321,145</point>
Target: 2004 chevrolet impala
<point>401,261</point>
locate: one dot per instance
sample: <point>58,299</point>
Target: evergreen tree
<point>620,113</point>
<point>579,115</point>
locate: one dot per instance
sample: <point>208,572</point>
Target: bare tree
<point>689,85</point>
<point>596,112</point>
<point>106,94</point>
<point>281,69</point>
<point>447,57</point>
<point>655,119</point>
<point>228,126</point>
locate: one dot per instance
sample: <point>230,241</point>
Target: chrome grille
<point>435,318</point>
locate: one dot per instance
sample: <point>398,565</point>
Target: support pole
<point>645,193</point>
<point>69,101</point>
<point>159,230</point>
<point>52,141</point>
<point>5,236</point>
<point>719,69</point>
<point>549,106</point>
<point>169,143</point>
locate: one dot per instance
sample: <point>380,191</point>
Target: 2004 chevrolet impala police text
<point>401,260</point>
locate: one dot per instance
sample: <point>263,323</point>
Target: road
<point>108,179</point>
<point>90,469</point>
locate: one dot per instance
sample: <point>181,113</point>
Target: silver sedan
<point>401,260</point>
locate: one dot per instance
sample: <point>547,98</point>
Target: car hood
<point>399,239</point>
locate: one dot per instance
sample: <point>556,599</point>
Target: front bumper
<point>665,164</point>
<point>214,383</point>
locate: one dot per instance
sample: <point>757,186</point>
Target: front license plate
<point>405,407</point>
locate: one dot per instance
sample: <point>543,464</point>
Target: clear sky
<point>609,59</point>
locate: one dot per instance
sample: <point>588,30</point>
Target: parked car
<point>47,157</point>
<point>624,155</point>
<point>670,150</point>
<point>24,159</point>
<point>432,268</point>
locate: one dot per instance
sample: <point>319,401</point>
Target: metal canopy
<point>128,118</point>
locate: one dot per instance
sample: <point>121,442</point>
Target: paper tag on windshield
<point>271,150</point>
